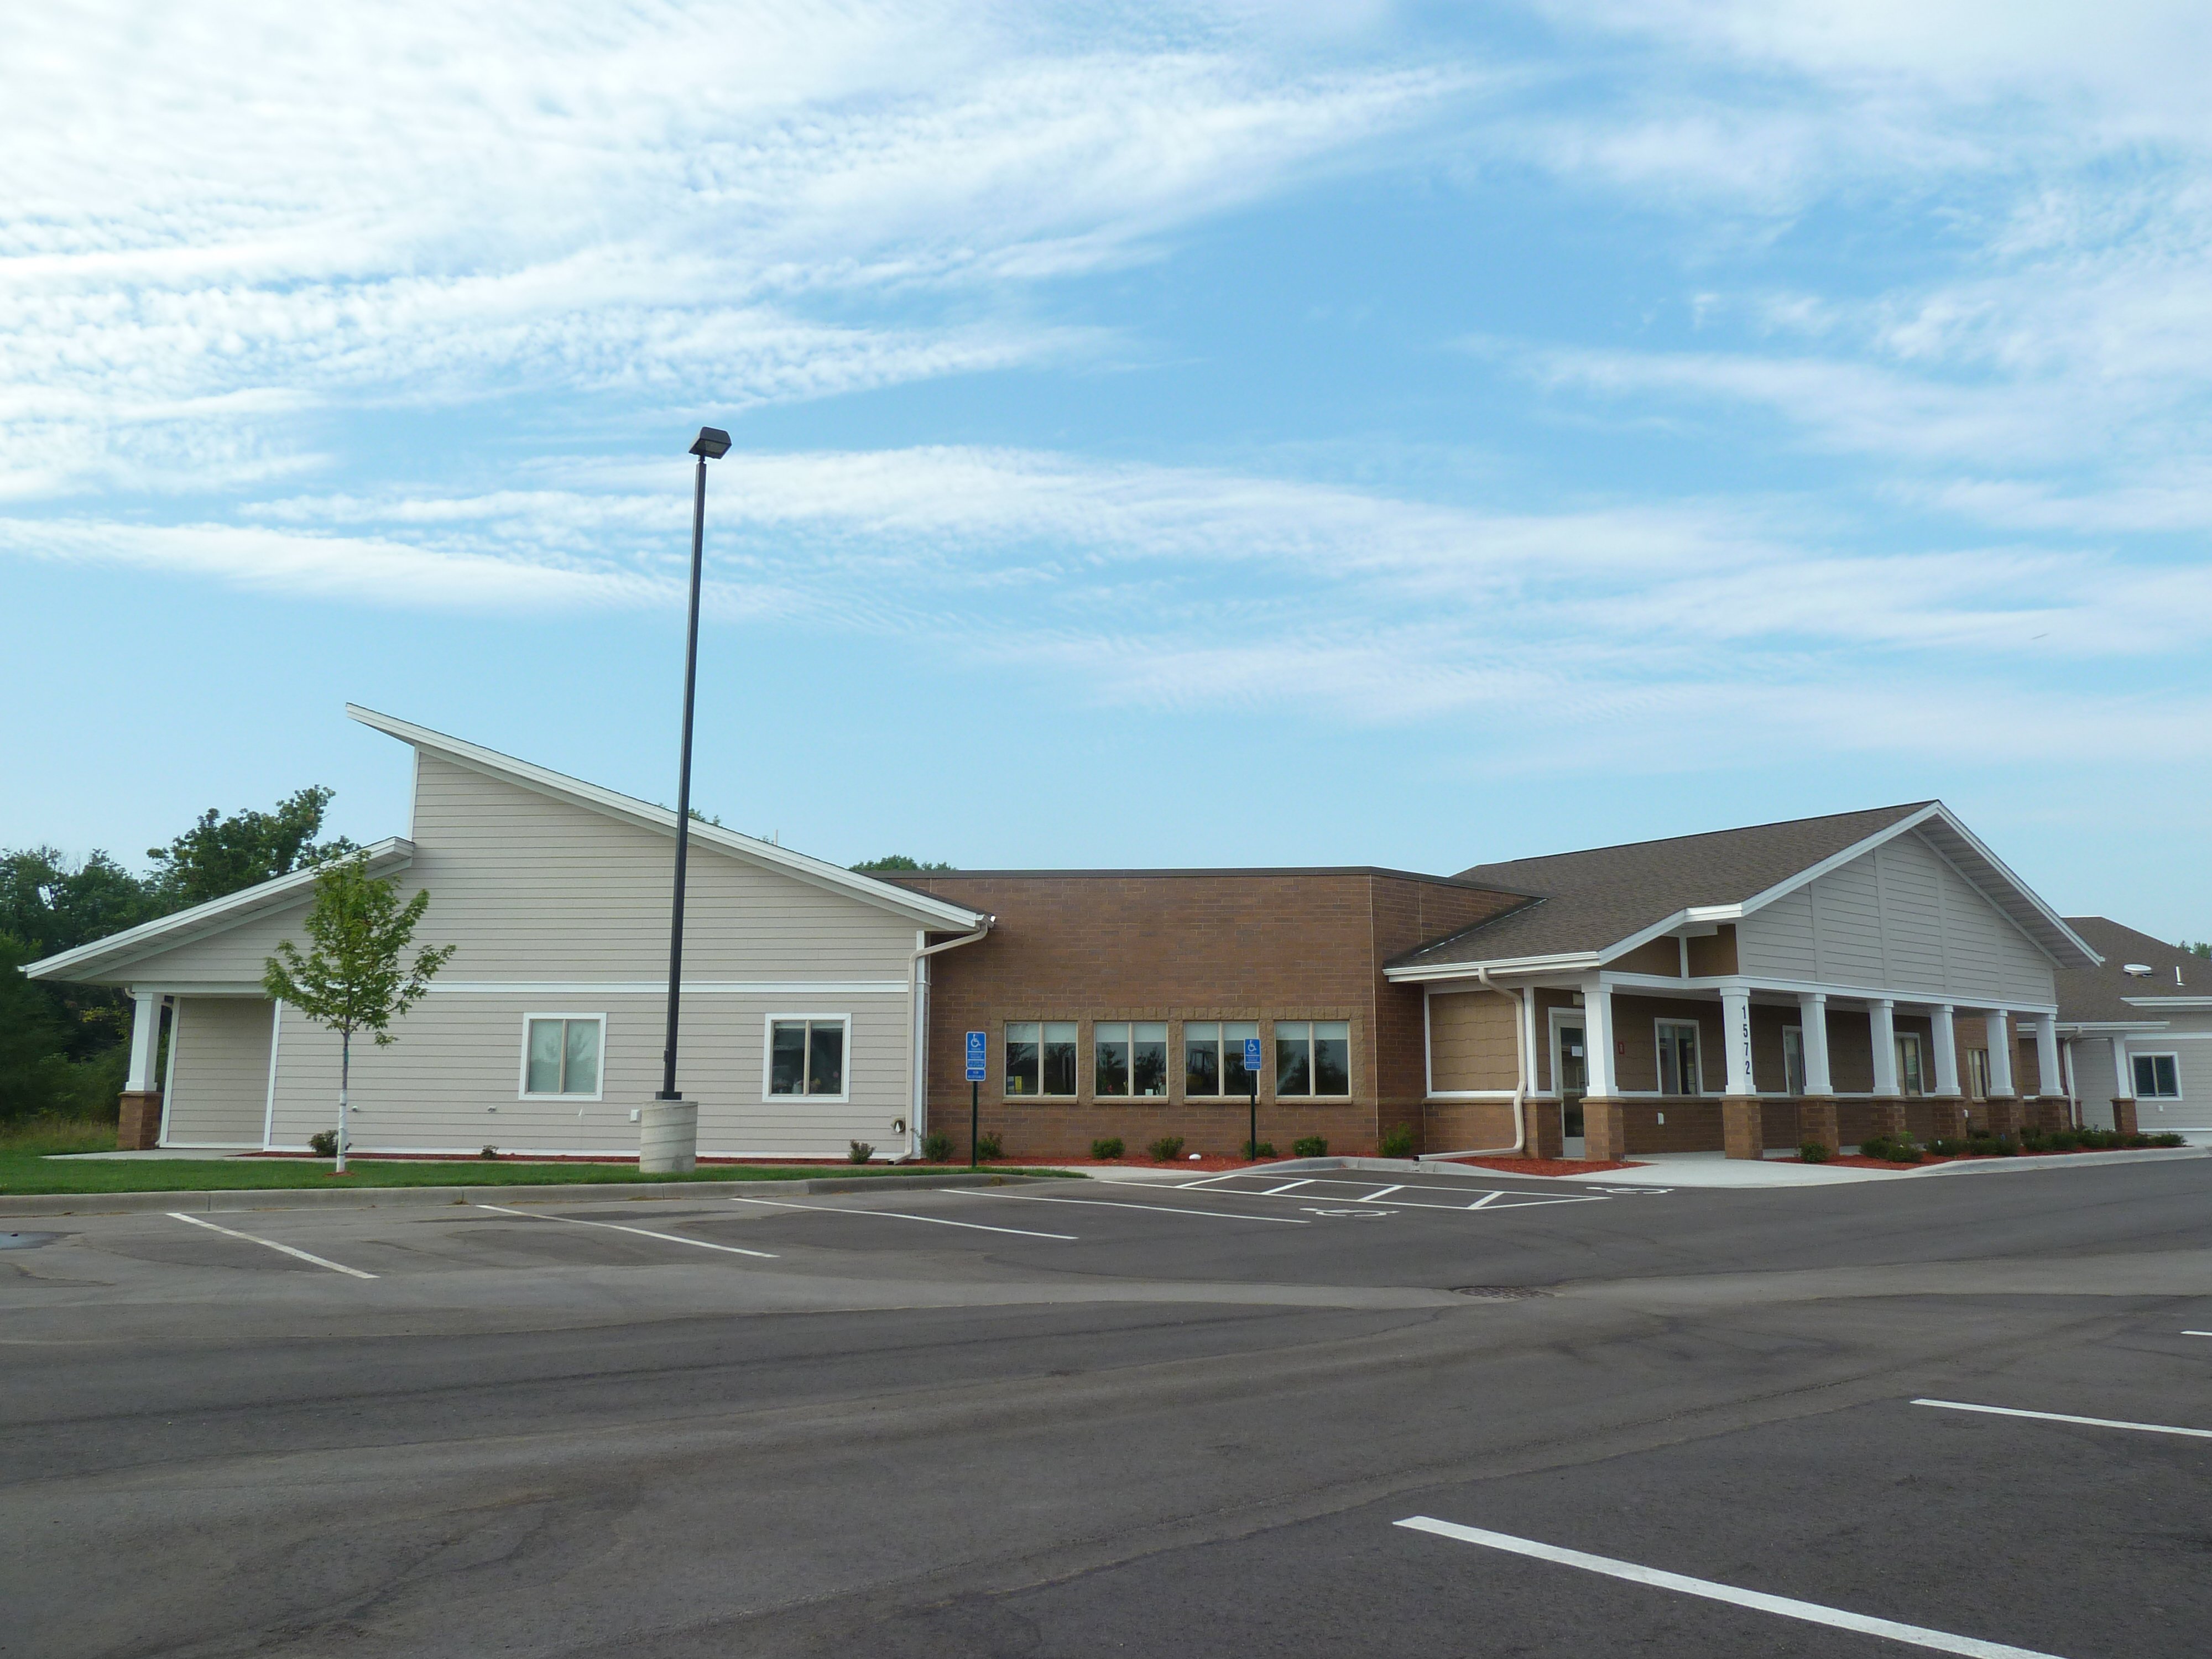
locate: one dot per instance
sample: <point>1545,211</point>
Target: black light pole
<point>712,445</point>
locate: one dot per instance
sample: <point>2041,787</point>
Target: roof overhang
<point>931,914</point>
<point>1422,973</point>
<point>2172,1005</point>
<point>108,957</point>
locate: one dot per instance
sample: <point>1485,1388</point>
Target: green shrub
<point>1397,1143</point>
<point>488,1152</point>
<point>937,1146</point>
<point>1109,1147</point>
<point>1874,1146</point>
<point>2059,1140</point>
<point>989,1147</point>
<point>1904,1150</point>
<point>1813,1152</point>
<point>1166,1149</point>
<point>1252,1153</point>
<point>858,1152</point>
<point>2167,1138</point>
<point>1310,1146</point>
<point>2033,1140</point>
<point>324,1143</point>
<point>1946,1145</point>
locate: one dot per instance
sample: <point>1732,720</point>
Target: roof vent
<point>2137,970</point>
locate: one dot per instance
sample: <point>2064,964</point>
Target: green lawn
<point>25,1168</point>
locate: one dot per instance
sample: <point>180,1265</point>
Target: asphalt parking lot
<point>1455,1414</point>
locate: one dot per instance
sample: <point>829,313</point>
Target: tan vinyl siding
<point>1471,1041</point>
<point>1899,919</point>
<point>235,957</point>
<point>453,1079</point>
<point>219,1082</point>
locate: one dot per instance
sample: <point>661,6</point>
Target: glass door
<point>1573,1078</point>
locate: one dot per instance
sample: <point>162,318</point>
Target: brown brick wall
<point>1181,947</point>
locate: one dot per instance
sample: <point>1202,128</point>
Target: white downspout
<point>917,973</point>
<point>1520,994</point>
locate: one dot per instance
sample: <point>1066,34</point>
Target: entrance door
<point>1573,1077</point>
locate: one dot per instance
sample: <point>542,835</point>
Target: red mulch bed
<point>1545,1166</point>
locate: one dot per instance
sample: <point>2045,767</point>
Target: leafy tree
<point>221,855</point>
<point>895,861</point>
<point>2202,948</point>
<point>48,905</point>
<point>353,978</point>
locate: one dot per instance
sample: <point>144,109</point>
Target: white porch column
<point>1812,1024</point>
<point>1944,1035</point>
<point>1597,1040</point>
<point>1881,1020</point>
<point>2047,1077</point>
<point>2123,1075</point>
<point>1735,1035</point>
<point>145,1041</point>
<point>1998,1026</point>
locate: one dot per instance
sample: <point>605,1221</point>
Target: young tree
<point>354,979</point>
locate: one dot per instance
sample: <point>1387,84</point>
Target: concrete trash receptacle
<point>668,1136</point>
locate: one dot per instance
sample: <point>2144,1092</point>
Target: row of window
<point>561,1056</point>
<point>1129,1058</point>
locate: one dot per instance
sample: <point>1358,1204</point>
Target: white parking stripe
<point>1485,1200</point>
<point>1380,1193</point>
<point>896,1215</point>
<point>642,1232</point>
<point>269,1243</point>
<point>1287,1186</point>
<point>1110,1204</point>
<point>2061,1417</point>
<point>2197,1332</point>
<point>1811,1612</point>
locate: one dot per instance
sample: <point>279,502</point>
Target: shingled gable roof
<point>1598,904</point>
<point>2108,995</point>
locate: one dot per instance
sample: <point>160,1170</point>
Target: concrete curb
<point>2062,1160</point>
<point>376,1197</point>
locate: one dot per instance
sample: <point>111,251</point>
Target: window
<point>1678,1057</point>
<point>560,1055</point>
<point>1909,1078</point>
<point>806,1056</point>
<point>1129,1059</point>
<point>1041,1057</point>
<point>1793,1059</point>
<point>1977,1073</point>
<point>1213,1057</point>
<point>2157,1077</point>
<point>1313,1057</point>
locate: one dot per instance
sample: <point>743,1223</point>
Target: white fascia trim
<point>106,955</point>
<point>816,871</point>
<point>1981,850</point>
<point>2178,1005</point>
<point>1425,973</point>
<point>213,987</point>
<point>2109,1027</point>
<point>554,988</point>
<point>1616,981</point>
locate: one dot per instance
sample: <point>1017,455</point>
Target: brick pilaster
<point>1545,1135</point>
<point>1605,1130</point>
<point>1743,1126</point>
<point>2124,1116</point>
<point>138,1124</point>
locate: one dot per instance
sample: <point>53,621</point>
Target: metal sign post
<point>1252,1076</point>
<point>977,1070</point>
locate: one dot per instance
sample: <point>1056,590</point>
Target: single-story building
<point>2137,1029</point>
<point>1750,988</point>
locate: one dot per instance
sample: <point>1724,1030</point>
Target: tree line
<point>63,1049</point>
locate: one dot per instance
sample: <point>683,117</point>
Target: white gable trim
<point>933,914</point>
<point>217,915</point>
<point>1933,813</point>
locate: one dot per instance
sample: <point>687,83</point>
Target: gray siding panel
<point>1777,941</point>
<point>219,1083</point>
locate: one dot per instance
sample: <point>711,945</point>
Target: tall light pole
<point>674,1119</point>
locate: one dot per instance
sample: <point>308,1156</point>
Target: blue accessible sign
<point>977,1070</point>
<point>1252,1055</point>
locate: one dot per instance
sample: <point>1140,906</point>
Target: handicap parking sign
<point>977,1070</point>
<point>1252,1055</point>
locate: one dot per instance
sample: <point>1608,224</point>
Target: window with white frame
<point>806,1055</point>
<point>1213,1057</point>
<point>1678,1057</point>
<point>560,1055</point>
<point>1910,1078</point>
<point>1313,1057</point>
<point>1129,1058</point>
<point>1041,1057</point>
<point>2158,1077</point>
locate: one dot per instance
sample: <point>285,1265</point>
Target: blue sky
<point>1226,434</point>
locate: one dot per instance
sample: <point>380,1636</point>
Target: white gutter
<point>917,972</point>
<point>1520,996</point>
